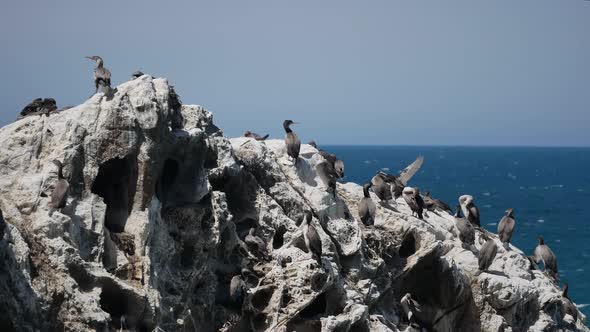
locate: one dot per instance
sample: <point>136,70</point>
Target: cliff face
<point>155,225</point>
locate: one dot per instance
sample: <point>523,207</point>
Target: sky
<point>388,72</point>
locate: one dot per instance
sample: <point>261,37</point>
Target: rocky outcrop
<point>153,236</point>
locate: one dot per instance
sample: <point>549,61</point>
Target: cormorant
<point>136,74</point>
<point>487,253</point>
<point>59,196</point>
<point>327,174</point>
<point>291,141</point>
<point>418,316</point>
<point>367,207</point>
<point>237,290</point>
<point>311,237</point>
<point>466,230</point>
<point>470,210</point>
<point>545,254</point>
<point>432,204</point>
<point>255,243</point>
<point>381,188</point>
<point>506,227</point>
<point>101,74</point>
<point>414,200</point>
<point>336,164</point>
<point>569,306</point>
<point>39,106</point>
<point>255,136</point>
<point>398,182</point>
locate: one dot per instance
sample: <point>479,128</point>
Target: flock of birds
<point>387,188</point>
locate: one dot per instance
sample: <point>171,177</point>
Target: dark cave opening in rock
<point>116,183</point>
<point>261,298</point>
<point>166,180</point>
<point>243,227</point>
<point>278,239</point>
<point>315,309</point>
<point>409,245</point>
<point>259,322</point>
<point>119,303</point>
<point>187,255</point>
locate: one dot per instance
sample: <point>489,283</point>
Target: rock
<point>154,232</point>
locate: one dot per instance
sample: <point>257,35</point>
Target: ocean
<point>549,189</point>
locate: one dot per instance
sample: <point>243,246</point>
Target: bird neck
<point>287,129</point>
<point>60,174</point>
<point>99,63</point>
<point>366,192</point>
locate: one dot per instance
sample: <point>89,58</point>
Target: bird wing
<point>409,171</point>
<point>293,145</point>
<point>502,228</point>
<point>103,74</point>
<point>314,239</point>
<point>59,194</point>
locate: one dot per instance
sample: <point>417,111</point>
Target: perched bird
<point>255,136</point>
<point>175,104</point>
<point>433,204</point>
<point>237,290</point>
<point>569,306</point>
<point>291,141</point>
<point>255,244</point>
<point>545,254</point>
<point>381,188</point>
<point>367,207</point>
<point>339,167</point>
<point>102,76</point>
<point>414,200</point>
<point>466,230</point>
<point>312,240</point>
<point>399,182</point>
<point>336,164</point>
<point>136,74</point>
<point>39,106</point>
<point>313,143</point>
<point>470,210</point>
<point>487,253</point>
<point>506,227</point>
<point>59,196</point>
<point>327,175</point>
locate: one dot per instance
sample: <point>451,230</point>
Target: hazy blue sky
<point>499,72</point>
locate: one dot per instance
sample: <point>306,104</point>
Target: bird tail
<point>264,137</point>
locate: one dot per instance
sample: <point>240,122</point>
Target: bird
<point>312,240</point>
<point>381,188</point>
<point>417,314</point>
<point>339,166</point>
<point>487,253</point>
<point>313,143</point>
<point>2,225</point>
<point>506,227</point>
<point>414,200</point>
<point>545,254</point>
<point>39,106</point>
<point>466,230</point>
<point>59,196</point>
<point>470,210</point>
<point>291,141</point>
<point>101,74</point>
<point>569,306</point>
<point>367,207</point>
<point>336,164</point>
<point>237,290</point>
<point>398,182</point>
<point>136,74</point>
<point>175,104</point>
<point>432,204</point>
<point>255,136</point>
<point>254,243</point>
<point>327,175</point>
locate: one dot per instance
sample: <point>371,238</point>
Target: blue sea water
<point>549,189</point>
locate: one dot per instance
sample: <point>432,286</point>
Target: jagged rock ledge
<point>153,233</point>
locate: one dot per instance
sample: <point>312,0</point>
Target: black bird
<point>327,175</point>
<point>237,290</point>
<point>39,106</point>
<point>381,188</point>
<point>291,141</point>
<point>399,182</point>
<point>2,225</point>
<point>102,76</point>
<point>255,136</point>
<point>432,204</point>
<point>487,253</point>
<point>336,164</point>
<point>312,240</point>
<point>470,210</point>
<point>545,254</point>
<point>466,230</point>
<point>367,207</point>
<point>569,306</point>
<point>419,316</point>
<point>255,244</point>
<point>506,227</point>
<point>414,201</point>
<point>59,196</point>
<point>136,74</point>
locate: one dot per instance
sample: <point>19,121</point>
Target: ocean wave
<point>541,221</point>
<point>582,305</point>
